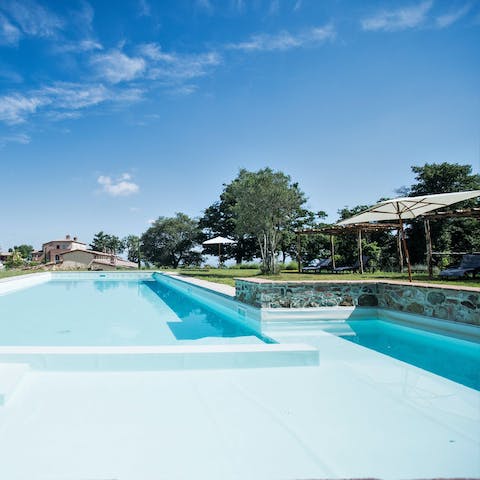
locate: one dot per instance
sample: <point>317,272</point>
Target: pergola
<point>439,215</point>
<point>355,228</point>
<point>358,228</point>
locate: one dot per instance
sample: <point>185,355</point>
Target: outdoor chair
<point>469,265</point>
<point>353,268</point>
<point>317,265</point>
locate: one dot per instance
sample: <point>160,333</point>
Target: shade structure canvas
<point>407,208</point>
<point>219,241</point>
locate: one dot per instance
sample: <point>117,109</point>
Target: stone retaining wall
<point>449,303</point>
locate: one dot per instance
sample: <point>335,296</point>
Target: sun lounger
<point>353,268</point>
<point>469,265</point>
<point>317,265</point>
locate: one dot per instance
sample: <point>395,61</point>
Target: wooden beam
<point>428,240</point>
<point>360,251</point>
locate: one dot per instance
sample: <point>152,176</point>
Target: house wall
<point>77,259</point>
<point>448,303</point>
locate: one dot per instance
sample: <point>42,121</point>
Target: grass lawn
<point>227,275</point>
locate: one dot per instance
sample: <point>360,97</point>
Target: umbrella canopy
<point>218,241</point>
<point>405,208</point>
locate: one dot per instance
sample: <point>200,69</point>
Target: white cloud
<point>448,19</point>
<point>285,40</point>
<point>21,138</point>
<point>9,33</point>
<point>120,187</point>
<point>62,100</point>
<point>297,6</point>
<point>174,66</point>
<point>398,19</point>
<point>144,9</point>
<point>86,45</point>
<point>117,67</point>
<point>15,108</point>
<point>32,18</point>
<point>150,221</point>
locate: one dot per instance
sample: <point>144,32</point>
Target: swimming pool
<point>115,312</point>
<point>452,358</point>
<point>355,414</point>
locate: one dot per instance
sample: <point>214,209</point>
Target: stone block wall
<point>456,304</point>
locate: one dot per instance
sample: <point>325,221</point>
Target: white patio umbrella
<point>219,241</point>
<point>405,208</point>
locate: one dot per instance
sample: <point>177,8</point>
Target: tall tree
<point>132,246</point>
<point>103,242</point>
<point>267,203</point>
<point>219,219</point>
<point>170,241</point>
<point>24,250</point>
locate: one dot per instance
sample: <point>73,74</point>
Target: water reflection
<point>197,320</point>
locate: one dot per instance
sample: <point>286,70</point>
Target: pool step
<point>162,357</point>
<point>10,376</point>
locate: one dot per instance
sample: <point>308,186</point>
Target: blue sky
<point>114,113</point>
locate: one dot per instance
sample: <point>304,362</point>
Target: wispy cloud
<point>205,5</point>
<point>86,45</point>
<point>115,66</point>
<point>9,33</point>
<point>119,187</point>
<point>15,108</point>
<point>399,19</point>
<point>21,138</point>
<point>285,40</point>
<point>144,9</point>
<point>64,100</point>
<point>297,6</point>
<point>448,19</point>
<point>32,18</point>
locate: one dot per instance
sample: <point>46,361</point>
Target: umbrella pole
<point>405,249</point>
<point>219,254</point>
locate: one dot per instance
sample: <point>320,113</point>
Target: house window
<point>58,247</point>
<point>57,258</point>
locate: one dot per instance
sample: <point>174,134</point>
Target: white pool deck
<point>358,414</point>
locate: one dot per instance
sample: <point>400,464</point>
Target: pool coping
<point>265,281</point>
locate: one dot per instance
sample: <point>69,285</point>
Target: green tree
<point>267,204</point>
<point>103,242</point>
<point>454,234</point>
<point>219,219</point>
<point>15,260</point>
<point>132,246</point>
<point>170,241</point>
<point>24,250</point>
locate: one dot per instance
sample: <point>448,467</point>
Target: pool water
<point>106,312</point>
<point>452,358</point>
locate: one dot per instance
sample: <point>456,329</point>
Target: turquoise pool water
<point>452,358</point>
<point>106,312</point>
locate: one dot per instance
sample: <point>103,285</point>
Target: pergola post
<point>299,252</point>
<point>405,249</point>
<point>332,250</point>
<point>399,250</point>
<point>428,240</point>
<point>360,250</point>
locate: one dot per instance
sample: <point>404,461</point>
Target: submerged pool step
<point>10,376</point>
<point>162,357</point>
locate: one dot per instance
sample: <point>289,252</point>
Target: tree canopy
<point>267,204</point>
<point>170,241</point>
